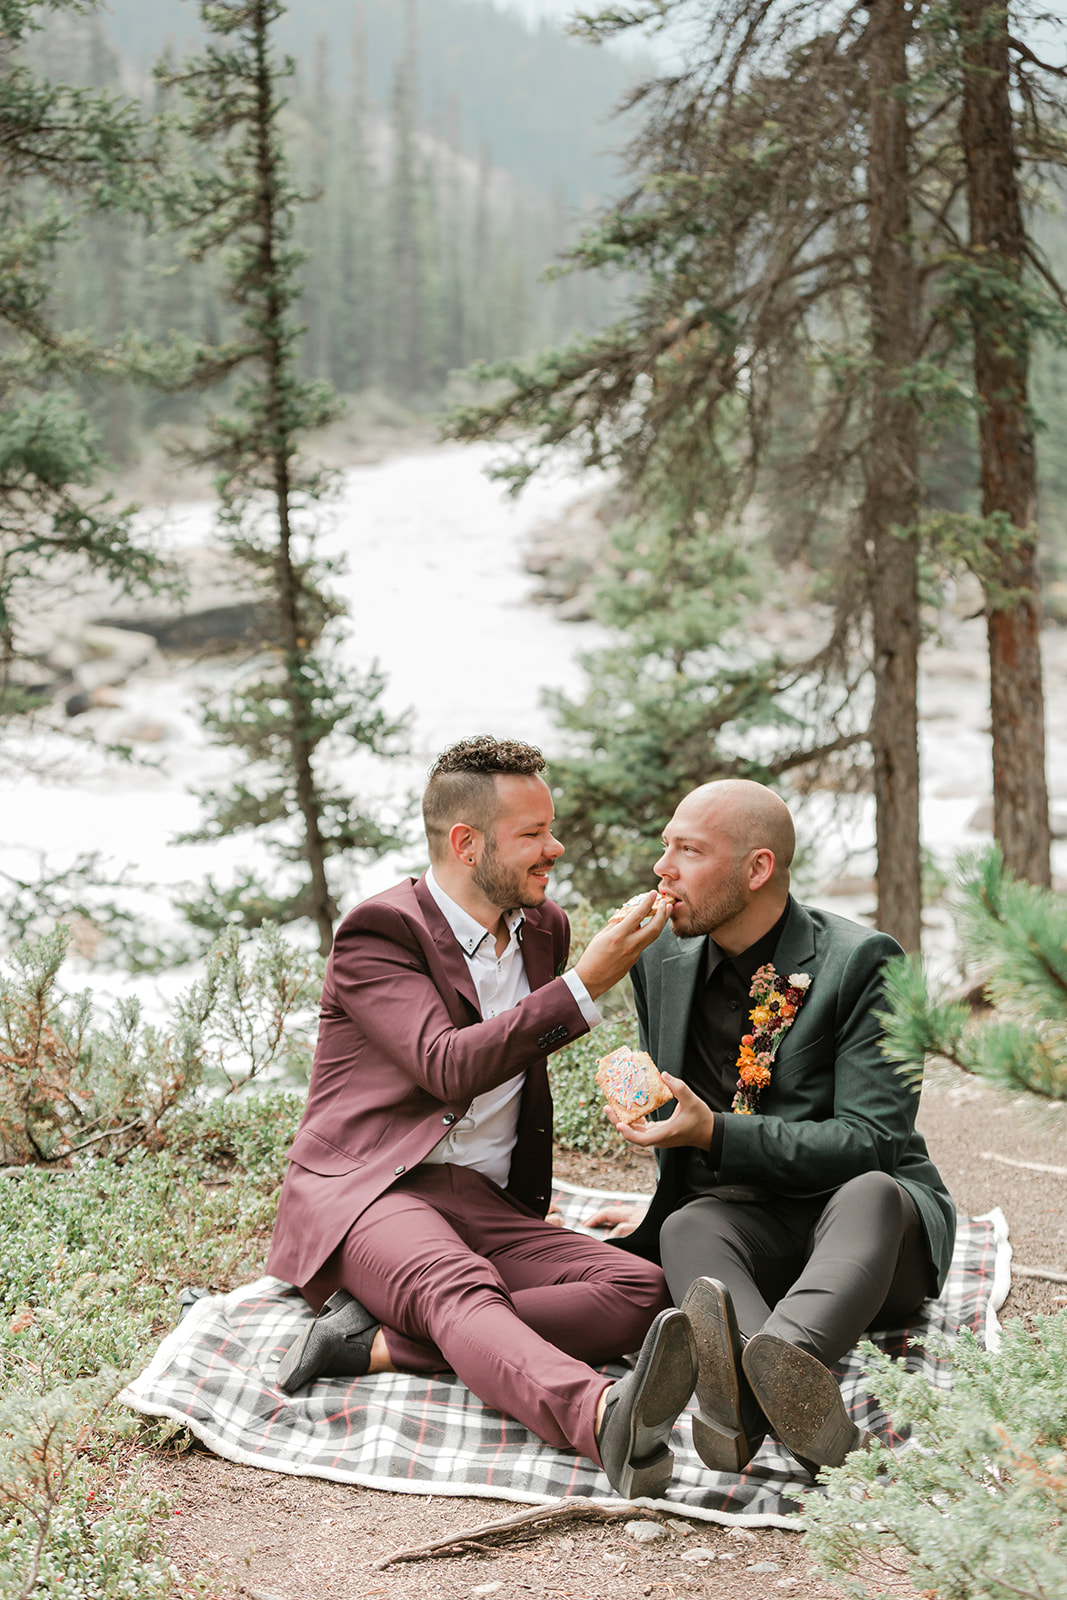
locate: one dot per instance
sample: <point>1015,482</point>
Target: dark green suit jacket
<point>835,1106</point>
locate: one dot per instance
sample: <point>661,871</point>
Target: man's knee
<point>875,1195</point>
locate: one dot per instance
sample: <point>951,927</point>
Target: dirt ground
<point>271,1537</point>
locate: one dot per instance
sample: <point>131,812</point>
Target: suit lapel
<point>678,976</point>
<point>536,953</point>
<point>447,946</point>
<point>795,949</point>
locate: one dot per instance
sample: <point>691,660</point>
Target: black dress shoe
<point>336,1345</point>
<point>727,1427</point>
<point>802,1402</point>
<point>641,1409</point>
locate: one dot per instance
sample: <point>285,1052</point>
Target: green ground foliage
<point>976,1502</point>
<point>91,1260</point>
<point>124,1182</point>
<point>973,1508</point>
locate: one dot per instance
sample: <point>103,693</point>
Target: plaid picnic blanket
<point>412,1435</point>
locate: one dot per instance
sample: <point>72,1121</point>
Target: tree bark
<point>1008,472</point>
<point>891,497</point>
<point>322,908</point>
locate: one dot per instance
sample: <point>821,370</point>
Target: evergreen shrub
<point>91,1261</point>
<point>973,1508</point>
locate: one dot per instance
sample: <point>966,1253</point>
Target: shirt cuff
<point>586,1004</point>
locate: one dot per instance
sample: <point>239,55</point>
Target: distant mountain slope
<point>541,100</point>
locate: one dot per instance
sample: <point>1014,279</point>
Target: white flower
<point>798,980</point>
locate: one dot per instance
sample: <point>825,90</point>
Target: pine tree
<point>796,332</point>
<point>1002,333</point>
<point>891,476</point>
<point>242,205</point>
<point>66,153</point>
<point>1014,935</point>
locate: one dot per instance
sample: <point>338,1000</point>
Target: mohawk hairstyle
<point>461,786</point>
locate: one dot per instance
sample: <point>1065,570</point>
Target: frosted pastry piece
<point>631,1084</point>
<point>635,899</point>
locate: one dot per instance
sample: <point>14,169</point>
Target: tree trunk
<point>322,908</point>
<point>1009,477</point>
<point>892,477</point>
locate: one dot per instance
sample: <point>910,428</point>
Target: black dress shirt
<point>718,1021</point>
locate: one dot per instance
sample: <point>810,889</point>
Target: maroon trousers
<point>463,1277</point>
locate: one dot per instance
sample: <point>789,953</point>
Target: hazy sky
<point>1051,36</point>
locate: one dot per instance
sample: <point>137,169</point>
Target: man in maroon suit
<point>412,1214</point>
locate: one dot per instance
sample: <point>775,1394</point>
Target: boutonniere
<point>777,1002</point>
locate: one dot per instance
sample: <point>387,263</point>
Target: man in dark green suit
<point>793,1215</point>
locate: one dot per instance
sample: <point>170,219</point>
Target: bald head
<point>726,858</point>
<point>750,815</point>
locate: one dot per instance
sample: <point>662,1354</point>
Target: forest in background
<point>454,153</point>
<point>131,1170</point>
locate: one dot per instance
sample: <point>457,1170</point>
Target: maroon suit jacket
<point>402,1051</point>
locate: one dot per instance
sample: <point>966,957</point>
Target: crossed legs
<point>462,1277</point>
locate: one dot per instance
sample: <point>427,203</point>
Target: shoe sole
<point>718,1436</point>
<point>801,1399</point>
<point>665,1376</point>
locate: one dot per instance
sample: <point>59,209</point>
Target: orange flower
<point>754,1073</point>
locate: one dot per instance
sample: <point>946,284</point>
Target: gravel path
<point>270,1537</point>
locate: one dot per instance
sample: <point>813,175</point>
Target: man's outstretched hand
<point>619,1216</point>
<point>611,953</point>
<point>691,1123</point>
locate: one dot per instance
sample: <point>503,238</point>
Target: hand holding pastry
<point>611,953</point>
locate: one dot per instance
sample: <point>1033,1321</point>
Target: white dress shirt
<point>485,1136</point>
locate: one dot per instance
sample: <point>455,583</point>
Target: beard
<point>720,905</point>
<point>504,886</point>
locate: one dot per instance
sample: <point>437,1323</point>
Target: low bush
<point>974,1507</point>
<point>91,1260</point>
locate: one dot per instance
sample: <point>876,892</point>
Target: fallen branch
<point>523,1522</point>
<point>1044,1273</point>
<point>1028,1166</point>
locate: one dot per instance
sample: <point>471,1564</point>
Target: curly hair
<point>461,786</point>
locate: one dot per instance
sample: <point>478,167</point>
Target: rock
<point>87,700</point>
<point>645,1532</point>
<point>700,1553</point>
<point>146,732</point>
<point>114,651</point>
<point>982,820</point>
<point>214,631</point>
<point>488,1588</point>
<point>684,1528</point>
<point>740,1533</point>
<point>763,1566</point>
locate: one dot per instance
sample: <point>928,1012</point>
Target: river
<point>439,597</point>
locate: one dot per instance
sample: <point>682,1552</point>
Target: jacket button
<point>398,1170</point>
<point>448,1119</point>
<point>542,1043</point>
